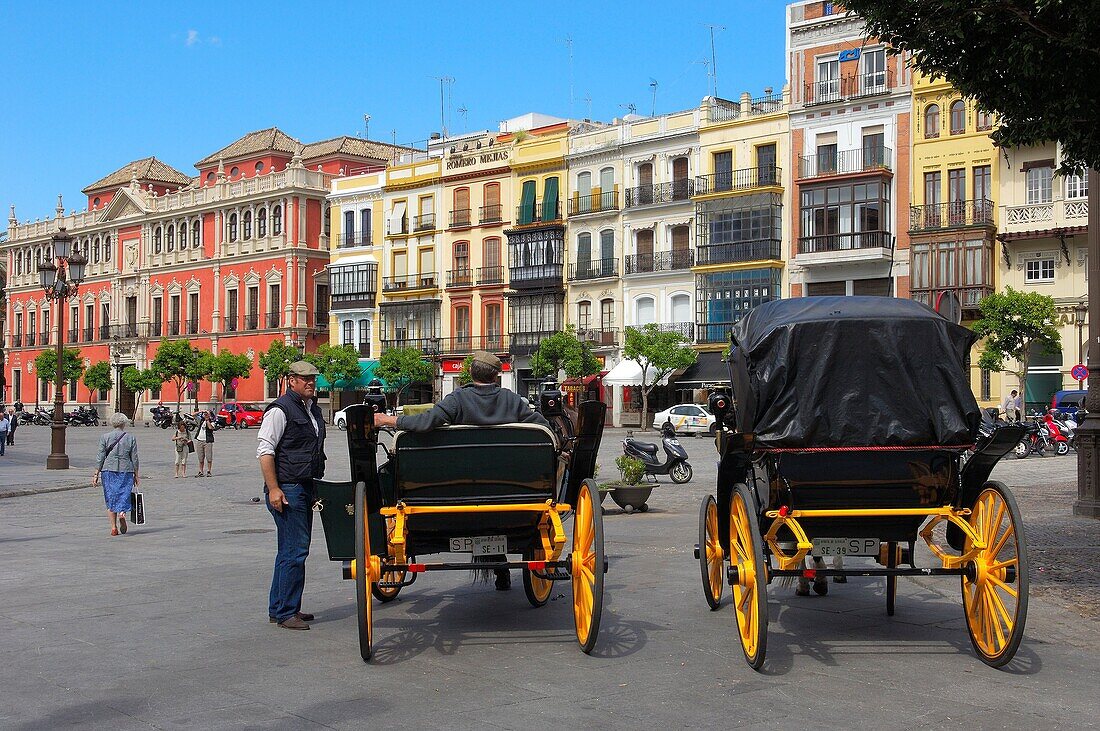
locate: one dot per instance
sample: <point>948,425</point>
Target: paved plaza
<point>166,627</point>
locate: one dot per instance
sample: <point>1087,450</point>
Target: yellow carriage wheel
<point>537,588</point>
<point>712,557</point>
<point>363,577</point>
<point>586,564</point>
<point>389,593</point>
<point>750,593</point>
<point>995,586</point>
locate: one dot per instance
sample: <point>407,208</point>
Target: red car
<point>246,414</point>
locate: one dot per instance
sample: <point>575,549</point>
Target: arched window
<point>932,121</point>
<point>491,210</point>
<point>958,117</point>
<point>107,248</point>
<point>277,220</point>
<point>462,327</point>
<point>349,332</point>
<point>232,226</point>
<point>364,332</point>
<point>984,120</point>
<point>156,240</point>
<point>583,203</point>
<point>607,247</point>
<point>170,238</point>
<point>584,315</point>
<point>349,228</point>
<point>247,225</point>
<point>645,311</point>
<point>584,256</point>
<point>261,223</point>
<point>681,308</point>
<point>607,315</point>
<point>183,235</point>
<point>195,235</point>
<point>18,262</point>
<point>95,251</point>
<point>607,188</point>
<point>461,255</point>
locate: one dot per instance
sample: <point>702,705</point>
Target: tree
<point>72,365</point>
<point>179,362</point>
<point>336,363</point>
<point>224,367</point>
<point>563,352</point>
<point>402,367</point>
<point>659,353</point>
<point>1011,57</point>
<point>1013,324</point>
<point>140,381</point>
<point>464,376</point>
<point>98,378</point>
<point>275,362</point>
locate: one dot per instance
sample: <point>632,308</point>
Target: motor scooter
<point>1058,436</point>
<point>675,463</point>
<point>1037,439</point>
<point>162,416</point>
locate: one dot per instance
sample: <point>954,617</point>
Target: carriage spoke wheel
<point>386,594</point>
<point>536,588</point>
<point>750,599</point>
<point>586,568</point>
<point>363,583</point>
<point>712,558</point>
<point>995,587</point>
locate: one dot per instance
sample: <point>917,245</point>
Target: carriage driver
<point>480,403</point>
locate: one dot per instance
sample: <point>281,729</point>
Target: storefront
<point>450,370</point>
<point>693,385</point>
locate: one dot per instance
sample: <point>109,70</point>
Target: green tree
<point>1011,57</point>
<point>464,376</point>
<point>98,378</point>
<point>1014,324</point>
<point>179,362</point>
<point>563,352</point>
<point>402,367</point>
<point>659,353</point>
<point>72,366</point>
<point>140,381</point>
<point>226,366</point>
<point>275,362</point>
<point>336,363</point>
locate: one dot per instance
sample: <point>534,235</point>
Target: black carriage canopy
<point>852,372</point>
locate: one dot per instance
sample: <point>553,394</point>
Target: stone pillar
<point>1088,434</point>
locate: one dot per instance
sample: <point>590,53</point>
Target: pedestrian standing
<point>291,452</point>
<point>13,423</point>
<point>1012,406</point>
<point>5,423</point>
<point>116,464</point>
<point>181,438</point>
<point>204,442</point>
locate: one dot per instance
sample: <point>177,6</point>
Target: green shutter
<point>550,200</point>
<point>527,203</point>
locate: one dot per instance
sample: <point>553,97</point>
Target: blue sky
<point>89,88</point>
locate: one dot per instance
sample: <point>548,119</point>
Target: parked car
<point>340,418</point>
<point>246,414</point>
<point>687,418</point>
<point>1069,403</point>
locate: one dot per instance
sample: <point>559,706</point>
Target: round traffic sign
<point>1080,372</point>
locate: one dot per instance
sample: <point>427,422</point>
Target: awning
<point>708,368</point>
<point>366,368</point>
<point>587,380</point>
<point>629,373</point>
<point>397,213</point>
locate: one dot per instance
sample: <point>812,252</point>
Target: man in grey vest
<point>291,452</point>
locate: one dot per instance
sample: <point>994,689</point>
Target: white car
<point>340,418</point>
<point>687,418</point>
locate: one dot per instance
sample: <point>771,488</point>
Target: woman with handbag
<point>184,446</point>
<point>117,465</point>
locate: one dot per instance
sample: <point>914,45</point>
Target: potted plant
<point>627,493</point>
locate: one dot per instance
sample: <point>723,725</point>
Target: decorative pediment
<point>231,281</point>
<point>273,276</point>
<point>157,290</point>
<point>174,287</point>
<point>17,307</point>
<point>89,298</point>
<point>252,278</point>
<point>193,285</point>
<point>125,204</point>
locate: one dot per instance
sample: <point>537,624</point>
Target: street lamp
<point>60,279</point>
<point>118,380</point>
<point>1080,314</point>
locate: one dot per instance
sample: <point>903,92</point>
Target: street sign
<point>949,306</point>
<point>1080,372</point>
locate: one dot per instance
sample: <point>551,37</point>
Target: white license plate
<point>845,547</point>
<point>480,545</point>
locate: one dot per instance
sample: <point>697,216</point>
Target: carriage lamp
<point>1080,314</point>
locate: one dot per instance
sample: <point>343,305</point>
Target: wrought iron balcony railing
<point>410,281</point>
<point>31,339</point>
<point>739,251</point>
<point>646,195</point>
<point>865,159</point>
<point>491,214</point>
<point>724,110</point>
<point>89,334</point>
<point>852,86</point>
<point>271,319</point>
<point>661,261</point>
<point>424,222</point>
<point>427,346</point>
<point>594,203</point>
<point>970,296</point>
<point>460,218</point>
<point>951,215</point>
<point>594,269</point>
<point>72,335</point>
<point>173,328</point>
<point>460,277</point>
<point>598,337</point>
<point>686,329</point>
<point>17,340</point>
<point>230,324</point>
<point>526,343</point>
<point>353,238</point>
<point>845,242</point>
<point>465,344</point>
<point>744,179</point>
<point>193,326</point>
<point>252,321</point>
<point>44,337</point>
<point>490,275</point>
<point>539,212</point>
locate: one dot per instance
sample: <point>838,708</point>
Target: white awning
<point>393,223</point>
<point>629,373</point>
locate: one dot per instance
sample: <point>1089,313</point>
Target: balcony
<point>173,328</point>
<point>490,275</point>
<point>424,222</point>
<point>729,181</point>
<point>320,320</point>
<point>740,251</point>
<point>714,332</point>
<point>662,261</point>
<point>129,331</point>
<point>536,276</point>
<point>852,86</point>
<point>410,282</point>
<point>845,162</point>
<point>526,343</point>
<point>460,278</point>
<point>31,340</point>
<point>460,218</point>
<point>685,329</point>
<point>1043,216</point>
<point>651,195</point>
<point>724,110</point>
<point>466,344</point>
<point>72,335</point>
<point>606,202</point>
<point>956,214</point>
<point>490,214</point>
<point>156,329</point>
<point>970,297</point>
<point>401,229</point>
<point>605,337</point>
<point>427,346</point>
<point>847,248</point>
<point>271,319</point>
<point>44,338</point>
<point>352,239</point>
<point>104,332</point>
<point>230,324</point>
<point>89,334</point>
<point>251,321</point>
<point>193,326</point>
<point>595,269</point>
<point>538,213</point>
<point>17,340</point>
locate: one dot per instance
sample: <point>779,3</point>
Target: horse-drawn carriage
<point>488,491</point>
<point>844,436</point>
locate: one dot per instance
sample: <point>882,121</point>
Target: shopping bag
<point>191,447</point>
<point>137,508</point>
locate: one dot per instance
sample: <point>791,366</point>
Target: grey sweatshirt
<point>477,405</point>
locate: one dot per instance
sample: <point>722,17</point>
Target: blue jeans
<point>293,528</point>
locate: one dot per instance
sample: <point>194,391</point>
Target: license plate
<point>480,545</point>
<point>845,547</point>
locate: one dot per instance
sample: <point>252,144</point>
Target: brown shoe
<point>121,524</point>
<point>293,623</point>
<point>304,616</point>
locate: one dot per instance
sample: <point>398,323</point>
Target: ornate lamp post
<point>1080,315</point>
<point>1088,450</point>
<point>60,279</point>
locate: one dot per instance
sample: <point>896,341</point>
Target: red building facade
<point>230,259</point>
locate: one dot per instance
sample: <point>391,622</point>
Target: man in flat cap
<point>292,455</point>
<point>479,403</point>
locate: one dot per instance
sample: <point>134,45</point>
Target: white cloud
<point>192,37</point>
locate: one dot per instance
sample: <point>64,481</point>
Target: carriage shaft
<point>818,573</point>
<point>415,568</point>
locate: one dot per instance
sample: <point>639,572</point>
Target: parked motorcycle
<point>1057,436</point>
<point>42,416</point>
<point>675,463</point>
<point>1066,426</point>
<point>1037,440</point>
<point>83,416</point>
<point>162,416</point>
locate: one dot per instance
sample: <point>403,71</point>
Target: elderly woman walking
<point>117,465</point>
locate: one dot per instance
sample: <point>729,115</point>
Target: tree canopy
<point>225,367</point>
<point>402,367</point>
<point>336,363</point>
<point>72,365</point>
<point>276,360</point>
<point>140,381</point>
<point>98,378</point>
<point>1035,63</point>
<point>659,353</point>
<point>1014,325</point>
<point>562,351</point>
<point>179,362</point>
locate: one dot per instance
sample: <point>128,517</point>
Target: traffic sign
<point>1080,372</point>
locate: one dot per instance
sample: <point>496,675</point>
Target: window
<point>400,263</point>
<point>526,213</point>
<point>932,184</point>
<point>234,172</point>
<point>156,242</point>
<point>427,266</point>
<point>261,223</point>
<point>364,331</point>
<point>195,235</point>
<point>765,164</point>
<point>460,216</point>
<point>643,244</point>
<point>874,148</point>
<point>958,117</point>
<point>584,315</point>
<point>349,332</point>
<point>1039,184</point>
<point>956,195</point>
<point>681,308</point>
<point>874,71</point>
<point>170,238</point>
<point>983,187</point>
<point>1077,186</point>
<point>850,216</point>
<point>252,318</point>
<point>723,170</point>
<point>490,250</point>
<point>932,121</point>
<point>462,326</point>
<point>274,304</point>
<point>349,228</point>
<point>1039,270</point>
<point>493,320</point>
<point>607,249</point>
<point>17,387</point>
<point>158,316</point>
<point>231,311</point>
<point>607,314</point>
<point>183,235</point>
<point>645,311</point>
<point>232,226</point>
<point>722,298</point>
<point>986,385</point>
<point>364,227</point>
<point>174,315</point>
<point>828,80</point>
<point>106,248</point>
<point>584,253</point>
<point>193,313</point>
<point>984,120</point>
<point>246,225</point>
<point>72,390</point>
<point>277,220</point>
<point>826,154</point>
<point>462,257</point>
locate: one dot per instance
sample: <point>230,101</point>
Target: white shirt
<point>273,425</point>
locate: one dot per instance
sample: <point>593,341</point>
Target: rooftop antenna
<point>463,111</point>
<point>630,108</point>
<point>588,101</point>
<point>653,106</point>
<point>713,62</point>
<point>569,44</point>
<point>443,80</point>
<point>366,126</point>
<point>706,67</point>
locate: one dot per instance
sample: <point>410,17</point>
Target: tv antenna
<point>705,63</point>
<point>443,82</point>
<point>713,62</point>
<point>366,126</point>
<point>653,106</point>
<point>630,108</point>
<point>463,111</point>
<point>588,101</point>
<point>569,44</point>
